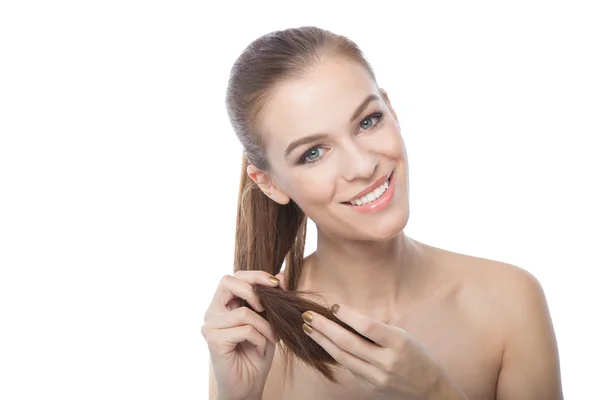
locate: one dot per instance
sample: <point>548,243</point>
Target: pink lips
<point>374,186</point>
<point>381,202</point>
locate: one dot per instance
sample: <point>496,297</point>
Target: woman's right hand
<point>241,342</point>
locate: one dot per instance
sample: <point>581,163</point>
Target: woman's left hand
<point>394,366</point>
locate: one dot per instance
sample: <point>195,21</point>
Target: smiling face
<point>330,136</point>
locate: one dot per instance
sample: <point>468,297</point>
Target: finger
<point>256,278</point>
<point>348,360</point>
<point>235,303</point>
<point>229,291</point>
<point>344,339</point>
<point>229,338</point>
<point>252,278</point>
<point>242,316</point>
<point>379,332</point>
<point>282,282</point>
<point>239,285</point>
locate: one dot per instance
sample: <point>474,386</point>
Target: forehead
<point>321,101</point>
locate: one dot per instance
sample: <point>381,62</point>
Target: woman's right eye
<point>312,155</point>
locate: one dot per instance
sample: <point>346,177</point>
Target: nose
<point>358,163</point>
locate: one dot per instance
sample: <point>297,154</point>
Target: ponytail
<point>266,234</point>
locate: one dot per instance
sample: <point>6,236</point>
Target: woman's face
<point>330,136</point>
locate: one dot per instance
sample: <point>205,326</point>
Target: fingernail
<point>307,328</point>
<point>274,280</point>
<point>307,317</point>
<point>335,308</point>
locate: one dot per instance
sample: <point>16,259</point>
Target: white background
<point>119,170</point>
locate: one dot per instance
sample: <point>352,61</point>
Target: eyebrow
<point>320,136</point>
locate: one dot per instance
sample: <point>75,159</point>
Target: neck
<point>366,275</point>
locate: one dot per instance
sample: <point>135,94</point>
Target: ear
<point>387,102</point>
<point>267,185</point>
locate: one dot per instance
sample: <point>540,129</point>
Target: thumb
<point>282,282</point>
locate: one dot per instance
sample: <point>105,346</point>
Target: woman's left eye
<point>368,123</point>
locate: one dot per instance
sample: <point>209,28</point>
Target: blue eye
<point>311,156</point>
<point>369,120</point>
<point>315,154</point>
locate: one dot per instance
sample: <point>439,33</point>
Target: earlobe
<point>267,185</point>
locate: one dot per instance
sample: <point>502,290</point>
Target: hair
<point>268,233</point>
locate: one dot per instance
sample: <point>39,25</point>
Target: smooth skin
<point>398,366</point>
<point>449,325</point>
<point>241,342</point>
<point>394,366</point>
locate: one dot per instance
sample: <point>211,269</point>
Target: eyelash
<point>378,115</point>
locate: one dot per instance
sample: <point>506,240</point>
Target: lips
<point>372,187</point>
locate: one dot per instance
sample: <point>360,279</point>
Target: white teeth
<point>374,195</point>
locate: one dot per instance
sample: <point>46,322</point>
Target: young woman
<point>321,140</point>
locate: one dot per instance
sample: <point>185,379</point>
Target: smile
<point>373,195</point>
<point>375,200</point>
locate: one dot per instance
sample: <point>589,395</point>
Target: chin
<point>378,226</point>
<point>384,227</point>
<point>387,228</point>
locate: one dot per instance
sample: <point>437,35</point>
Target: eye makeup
<point>378,116</point>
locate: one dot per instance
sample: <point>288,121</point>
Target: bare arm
<point>530,363</point>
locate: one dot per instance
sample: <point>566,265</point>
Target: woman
<point>321,140</point>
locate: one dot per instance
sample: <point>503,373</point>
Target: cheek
<point>313,186</point>
<point>391,144</point>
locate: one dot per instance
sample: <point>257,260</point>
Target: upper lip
<point>372,187</point>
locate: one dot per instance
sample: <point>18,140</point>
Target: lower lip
<point>381,202</point>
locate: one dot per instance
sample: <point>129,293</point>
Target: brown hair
<point>283,311</point>
<point>268,233</point>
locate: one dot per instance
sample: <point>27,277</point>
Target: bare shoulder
<point>497,295</point>
<point>510,301</point>
<point>497,286</point>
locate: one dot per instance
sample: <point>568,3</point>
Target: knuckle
<point>346,342</point>
<point>225,280</point>
<point>368,328</point>
<point>248,330</point>
<point>209,314</point>
<point>210,338</point>
<point>382,380</point>
<point>389,362</point>
<point>245,313</point>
